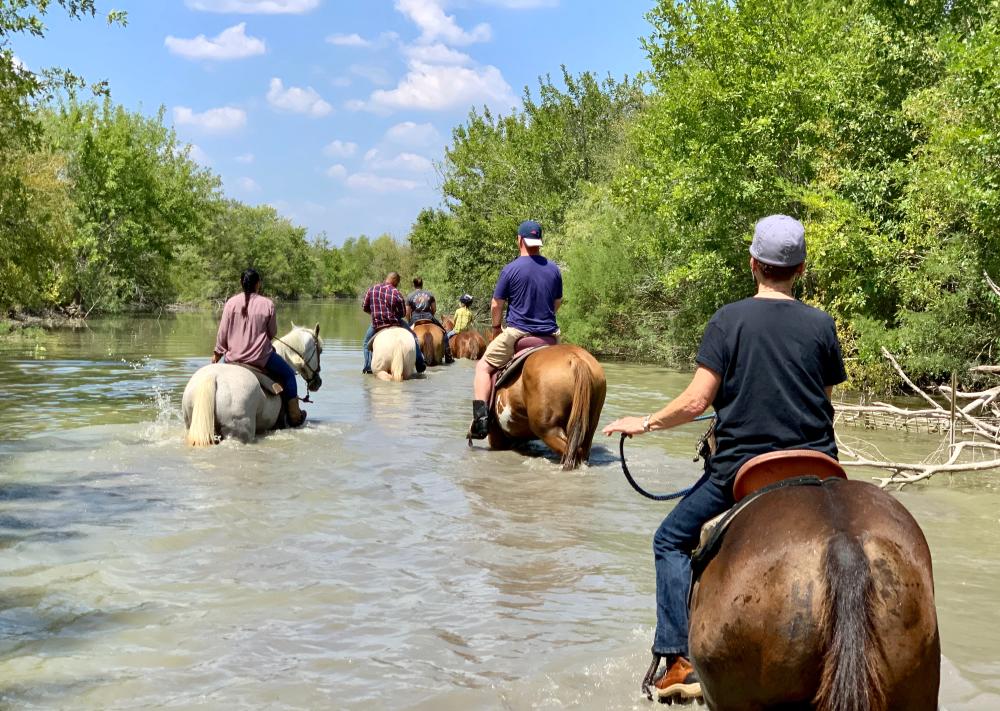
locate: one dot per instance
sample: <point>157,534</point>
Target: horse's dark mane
<point>851,678</point>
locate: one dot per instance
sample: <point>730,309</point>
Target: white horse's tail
<point>396,369</point>
<point>201,433</point>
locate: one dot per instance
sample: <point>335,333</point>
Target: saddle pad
<point>268,384</point>
<point>510,371</point>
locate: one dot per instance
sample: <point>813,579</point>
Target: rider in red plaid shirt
<point>387,308</point>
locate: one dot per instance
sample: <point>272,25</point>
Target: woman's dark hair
<point>418,282</point>
<point>249,281</point>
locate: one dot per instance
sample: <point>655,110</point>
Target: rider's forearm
<point>496,311</point>
<point>677,412</point>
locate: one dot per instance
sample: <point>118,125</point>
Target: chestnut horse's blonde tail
<point>201,432</point>
<point>578,423</point>
<point>396,367</point>
<point>851,677</point>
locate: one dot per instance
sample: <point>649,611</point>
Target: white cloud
<point>296,99</point>
<point>248,185</point>
<point>337,171</point>
<point>221,120</point>
<point>404,162</point>
<point>376,75</point>
<point>438,87</point>
<point>255,7</point>
<point>231,43</point>
<point>413,134</point>
<point>340,149</point>
<point>195,153</point>
<point>379,184</point>
<point>341,81</point>
<point>436,53</point>
<point>245,158</point>
<point>370,154</point>
<point>430,17</point>
<point>351,40</point>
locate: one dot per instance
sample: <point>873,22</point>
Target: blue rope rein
<point>628,475</point>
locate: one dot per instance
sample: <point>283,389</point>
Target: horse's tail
<point>579,414</point>
<point>396,366</point>
<point>201,432</point>
<point>427,347</point>
<point>851,677</point>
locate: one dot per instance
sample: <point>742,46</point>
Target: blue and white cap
<point>779,240</point>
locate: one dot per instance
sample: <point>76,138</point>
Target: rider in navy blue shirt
<point>768,366</point>
<point>531,288</point>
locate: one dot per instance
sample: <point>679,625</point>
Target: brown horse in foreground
<point>557,397</point>
<point>819,597</point>
<point>431,339</point>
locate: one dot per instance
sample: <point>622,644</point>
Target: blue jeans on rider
<point>284,374</point>
<point>370,334</point>
<point>673,543</point>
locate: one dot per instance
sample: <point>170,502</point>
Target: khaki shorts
<point>501,349</point>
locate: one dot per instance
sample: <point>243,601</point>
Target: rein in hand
<point>628,475</point>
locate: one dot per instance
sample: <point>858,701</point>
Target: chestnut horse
<point>468,344</point>
<point>819,597</point>
<point>557,397</point>
<point>431,339</point>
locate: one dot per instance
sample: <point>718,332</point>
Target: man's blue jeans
<point>673,542</point>
<point>370,334</point>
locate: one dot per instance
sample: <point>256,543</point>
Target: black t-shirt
<point>776,357</point>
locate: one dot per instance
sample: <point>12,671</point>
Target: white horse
<point>394,354</point>
<point>223,400</point>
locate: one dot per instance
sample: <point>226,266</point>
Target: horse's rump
<point>431,339</point>
<point>394,354</point>
<point>819,596</point>
<point>468,344</point>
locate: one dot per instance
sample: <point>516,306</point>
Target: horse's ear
<point>294,326</point>
<point>317,330</point>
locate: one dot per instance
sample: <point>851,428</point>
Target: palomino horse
<point>819,597</point>
<point>394,354</point>
<point>431,339</point>
<point>223,400</point>
<point>557,397</point>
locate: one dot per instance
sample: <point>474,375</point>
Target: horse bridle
<point>317,349</point>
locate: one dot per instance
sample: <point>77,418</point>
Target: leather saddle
<point>522,349</point>
<point>757,477</point>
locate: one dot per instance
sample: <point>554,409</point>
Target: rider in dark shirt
<point>767,365</point>
<point>422,306</point>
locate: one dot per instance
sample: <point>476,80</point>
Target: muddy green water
<point>369,559</point>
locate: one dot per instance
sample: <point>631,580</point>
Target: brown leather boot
<point>296,415</point>
<point>679,682</point>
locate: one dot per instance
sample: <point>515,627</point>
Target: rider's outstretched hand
<point>627,425</point>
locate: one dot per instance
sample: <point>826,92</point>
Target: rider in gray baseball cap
<point>779,240</point>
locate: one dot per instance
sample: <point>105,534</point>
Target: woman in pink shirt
<point>245,331</point>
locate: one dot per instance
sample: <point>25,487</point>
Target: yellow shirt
<point>463,319</point>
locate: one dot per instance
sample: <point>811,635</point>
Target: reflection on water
<point>370,557</point>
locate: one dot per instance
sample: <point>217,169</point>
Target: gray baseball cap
<point>779,240</point>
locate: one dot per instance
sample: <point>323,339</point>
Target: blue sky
<point>334,111</point>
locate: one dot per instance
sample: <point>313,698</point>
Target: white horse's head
<point>302,347</point>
